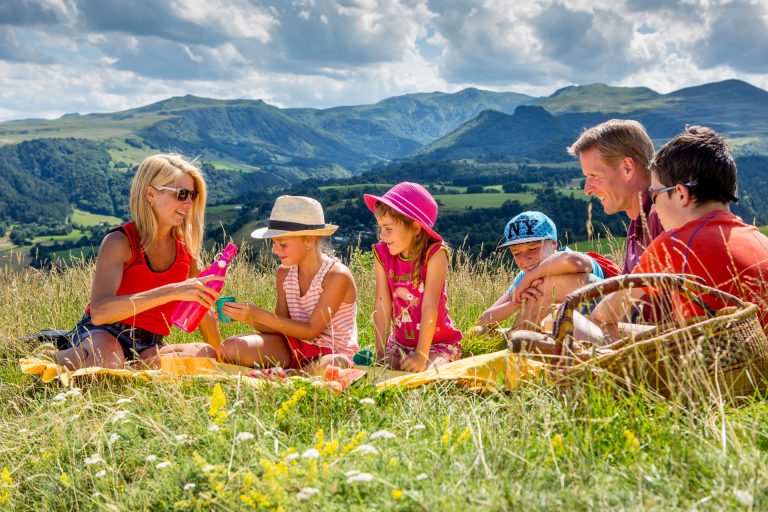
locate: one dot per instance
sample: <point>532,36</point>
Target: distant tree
<point>475,189</point>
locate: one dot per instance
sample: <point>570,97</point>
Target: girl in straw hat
<point>315,321</point>
<point>411,264</point>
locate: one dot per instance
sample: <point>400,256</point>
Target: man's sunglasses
<point>654,192</point>
<point>181,193</point>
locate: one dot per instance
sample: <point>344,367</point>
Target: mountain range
<point>273,147</point>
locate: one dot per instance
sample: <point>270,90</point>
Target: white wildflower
<point>419,426</point>
<point>151,458</point>
<point>113,438</point>
<point>189,486</point>
<point>237,404</point>
<point>120,415</point>
<point>23,431</point>
<point>74,392</point>
<point>352,472</point>
<point>360,477</point>
<point>306,493</point>
<point>93,459</point>
<point>124,401</point>
<point>421,476</point>
<point>213,428</point>
<point>383,434</point>
<point>101,473</point>
<point>180,437</point>
<point>310,454</point>
<point>164,464</point>
<point>243,436</point>
<point>208,467</point>
<point>367,401</point>
<point>291,456</point>
<point>744,497</point>
<point>60,397</point>
<point>366,449</point>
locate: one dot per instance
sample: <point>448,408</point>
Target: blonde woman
<point>143,269</point>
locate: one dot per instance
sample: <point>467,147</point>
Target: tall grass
<point>185,445</point>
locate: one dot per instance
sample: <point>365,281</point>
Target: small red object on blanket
<point>344,376</point>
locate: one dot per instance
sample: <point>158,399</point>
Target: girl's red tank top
<point>138,277</point>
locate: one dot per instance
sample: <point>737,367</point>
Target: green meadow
<point>186,444</point>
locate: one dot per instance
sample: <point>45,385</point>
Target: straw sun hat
<point>295,216</point>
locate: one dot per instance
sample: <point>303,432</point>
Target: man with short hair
<point>693,180</point>
<point>615,158</point>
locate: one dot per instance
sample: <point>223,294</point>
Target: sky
<point>65,56</point>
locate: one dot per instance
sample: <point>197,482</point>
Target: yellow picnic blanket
<point>483,372</point>
<point>194,367</point>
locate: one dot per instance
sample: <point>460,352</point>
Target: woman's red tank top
<point>138,277</point>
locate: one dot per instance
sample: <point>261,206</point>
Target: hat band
<point>282,225</point>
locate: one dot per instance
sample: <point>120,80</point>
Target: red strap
<point>610,268</point>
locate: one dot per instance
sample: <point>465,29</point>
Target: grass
<point>84,218</point>
<point>149,445</point>
<point>461,202</point>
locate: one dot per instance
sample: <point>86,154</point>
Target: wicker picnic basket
<point>722,354</point>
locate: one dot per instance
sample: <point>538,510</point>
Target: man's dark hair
<point>700,159</point>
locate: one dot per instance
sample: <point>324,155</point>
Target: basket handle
<point>563,325</point>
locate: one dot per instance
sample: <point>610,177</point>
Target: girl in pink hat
<point>411,266</point>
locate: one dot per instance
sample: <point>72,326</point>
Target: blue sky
<point>61,56</point>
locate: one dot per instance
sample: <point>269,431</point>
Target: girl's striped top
<point>341,333</point>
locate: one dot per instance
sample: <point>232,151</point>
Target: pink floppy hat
<point>411,200</point>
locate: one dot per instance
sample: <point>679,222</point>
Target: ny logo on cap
<point>515,227</point>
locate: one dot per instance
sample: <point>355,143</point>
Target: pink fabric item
<point>413,201</point>
<point>407,297</point>
<point>449,351</point>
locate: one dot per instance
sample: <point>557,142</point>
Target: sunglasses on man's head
<point>181,193</point>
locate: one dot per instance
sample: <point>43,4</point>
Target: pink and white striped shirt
<point>340,336</point>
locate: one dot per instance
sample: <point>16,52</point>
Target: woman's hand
<point>195,290</point>
<point>415,363</point>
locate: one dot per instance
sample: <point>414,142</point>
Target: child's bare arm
<point>566,262</point>
<point>382,311</point>
<point>502,309</point>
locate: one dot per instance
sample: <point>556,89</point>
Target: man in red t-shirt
<point>693,180</point>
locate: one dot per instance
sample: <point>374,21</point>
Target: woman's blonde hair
<point>164,170</point>
<point>419,245</point>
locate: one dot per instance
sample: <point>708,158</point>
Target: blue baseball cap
<point>529,227</point>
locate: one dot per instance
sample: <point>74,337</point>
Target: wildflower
<point>352,472</point>
<point>331,447</point>
<point>352,444</point>
<point>392,462</point>
<point>360,477</point>
<point>113,439</point>
<point>291,456</point>
<point>319,439</point>
<point>366,449</point>
<point>632,443</point>
<point>744,497</point>
<point>422,476</point>
<point>286,406</point>
<point>151,458</point>
<point>383,434</point>
<point>180,438</point>
<point>462,438</point>
<point>208,467</point>
<point>93,459</point>
<point>65,480</point>
<point>218,401</point>
<point>23,431</point>
<point>419,426</point>
<point>213,427</point>
<point>311,453</point>
<point>397,493</point>
<point>558,447</point>
<point>120,415</point>
<point>306,493</point>
<point>101,474</point>
<point>189,486</point>
<point>124,401</point>
<point>367,401</point>
<point>164,464</point>
<point>244,436</point>
<point>6,484</point>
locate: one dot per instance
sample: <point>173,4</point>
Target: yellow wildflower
<point>331,447</point>
<point>286,406</point>
<point>218,401</point>
<point>462,438</point>
<point>65,480</point>
<point>397,494</point>
<point>352,444</point>
<point>557,445</point>
<point>319,439</point>
<point>392,462</point>
<point>632,443</point>
<point>6,483</point>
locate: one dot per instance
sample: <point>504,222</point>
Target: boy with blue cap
<point>546,273</point>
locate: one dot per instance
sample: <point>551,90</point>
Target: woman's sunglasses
<point>181,193</point>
